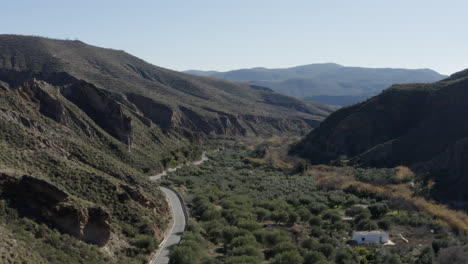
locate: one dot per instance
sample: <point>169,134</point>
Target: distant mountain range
<point>327,83</point>
<point>419,125</point>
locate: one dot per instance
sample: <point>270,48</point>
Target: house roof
<point>374,232</point>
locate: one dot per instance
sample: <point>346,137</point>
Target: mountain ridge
<point>327,82</point>
<point>121,72</point>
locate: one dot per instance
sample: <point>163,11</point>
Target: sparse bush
<point>144,242</point>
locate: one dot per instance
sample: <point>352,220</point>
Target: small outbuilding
<point>369,237</point>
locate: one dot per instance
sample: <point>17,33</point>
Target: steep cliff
<point>46,203</point>
<point>419,125</point>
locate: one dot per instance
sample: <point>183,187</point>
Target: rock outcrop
<point>104,110</point>
<point>40,200</point>
<point>160,114</point>
<point>22,120</point>
<point>48,105</point>
<point>97,227</point>
<point>191,123</point>
<point>138,196</point>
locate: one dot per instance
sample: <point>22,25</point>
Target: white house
<point>368,237</point>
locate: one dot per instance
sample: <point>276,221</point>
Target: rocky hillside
<point>327,83</point>
<point>172,100</point>
<point>419,125</point>
<point>82,127</point>
<point>77,165</point>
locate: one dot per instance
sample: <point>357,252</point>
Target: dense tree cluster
<point>253,214</point>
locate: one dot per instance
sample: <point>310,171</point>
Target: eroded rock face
<point>48,105</point>
<point>160,114</point>
<point>194,125</point>
<point>108,110</point>
<point>66,218</point>
<point>220,124</point>
<point>104,110</point>
<point>40,200</point>
<point>259,123</point>
<point>19,119</point>
<point>138,196</point>
<point>97,229</point>
<point>45,192</point>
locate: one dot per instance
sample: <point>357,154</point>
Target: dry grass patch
<point>457,220</point>
<point>403,174</point>
<point>343,178</point>
<point>332,176</point>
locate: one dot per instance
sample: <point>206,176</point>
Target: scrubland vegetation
<point>398,183</point>
<point>243,210</point>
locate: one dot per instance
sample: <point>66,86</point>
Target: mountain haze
<point>327,83</point>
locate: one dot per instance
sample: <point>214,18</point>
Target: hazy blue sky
<point>230,34</point>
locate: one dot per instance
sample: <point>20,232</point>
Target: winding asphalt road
<point>175,232</point>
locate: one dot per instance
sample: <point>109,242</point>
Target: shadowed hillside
<point>421,125</point>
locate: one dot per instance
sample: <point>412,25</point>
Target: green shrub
<point>316,221</point>
<point>242,241</point>
<point>144,242</point>
<point>357,210</point>
<point>385,224</point>
<point>247,250</point>
<point>289,257</point>
<point>283,247</point>
<point>367,224</point>
<point>327,250</point>
<point>378,210</point>
<point>129,230</point>
<point>242,259</point>
<point>183,255</point>
<point>275,237</point>
<point>313,257</point>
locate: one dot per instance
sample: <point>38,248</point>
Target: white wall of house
<point>370,237</point>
